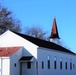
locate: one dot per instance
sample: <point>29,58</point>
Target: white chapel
<point>21,54</point>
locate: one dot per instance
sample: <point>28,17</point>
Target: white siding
<point>16,40</point>
<point>14,59</point>
<point>4,66</point>
<point>25,52</point>
<point>0,65</point>
<point>43,54</point>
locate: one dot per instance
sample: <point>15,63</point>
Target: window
<point>15,65</point>
<point>28,65</point>
<point>73,66</point>
<point>55,63</point>
<point>37,65</point>
<point>70,64</point>
<point>48,64</point>
<point>60,63</point>
<point>42,64</point>
<point>65,63</point>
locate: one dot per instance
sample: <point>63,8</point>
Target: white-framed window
<point>42,64</point>
<point>70,64</point>
<point>66,63</point>
<point>55,62</point>
<point>48,62</point>
<point>14,64</point>
<point>28,65</point>
<point>60,63</point>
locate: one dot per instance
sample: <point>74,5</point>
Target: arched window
<point>60,63</point>
<point>42,65</point>
<point>70,64</point>
<point>48,62</point>
<point>55,62</point>
<point>66,63</point>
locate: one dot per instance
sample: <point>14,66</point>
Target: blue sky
<point>42,12</point>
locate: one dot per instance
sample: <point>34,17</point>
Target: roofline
<point>42,44</point>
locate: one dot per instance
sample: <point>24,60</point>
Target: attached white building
<point>9,60</point>
<point>25,55</point>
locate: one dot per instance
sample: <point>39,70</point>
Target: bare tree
<point>7,21</point>
<point>36,31</point>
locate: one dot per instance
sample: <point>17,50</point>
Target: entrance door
<point>27,68</point>
<point>22,68</point>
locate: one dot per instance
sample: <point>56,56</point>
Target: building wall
<point>16,40</point>
<point>52,55</point>
<point>14,62</point>
<point>11,65</point>
<point>4,66</point>
<point>25,52</point>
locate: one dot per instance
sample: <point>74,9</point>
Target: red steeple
<point>54,33</point>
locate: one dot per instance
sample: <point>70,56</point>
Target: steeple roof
<point>54,33</point>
